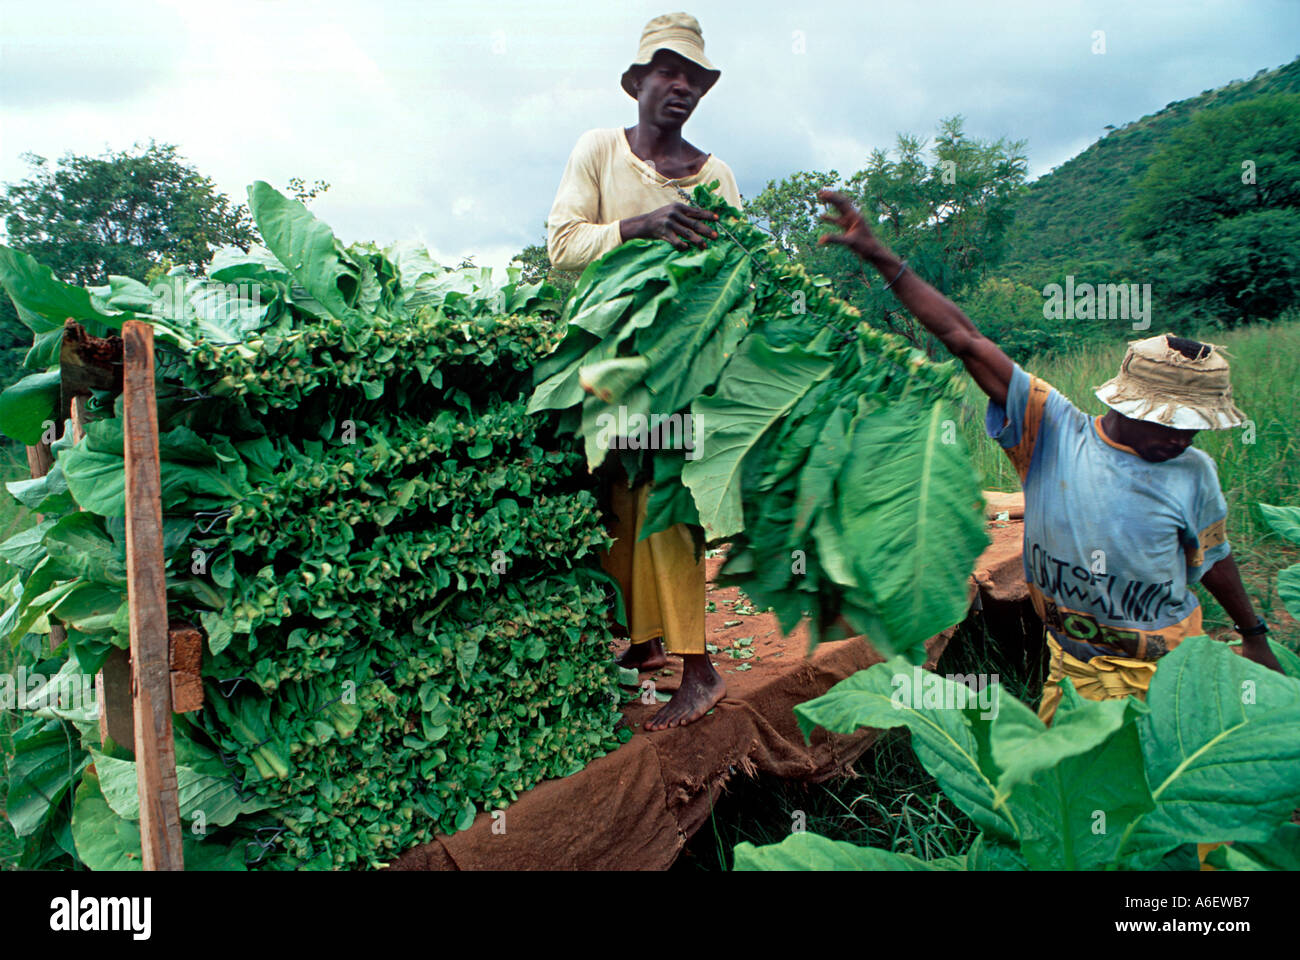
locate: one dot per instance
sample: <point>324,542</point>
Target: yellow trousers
<point>1101,678</point>
<point>662,582</point>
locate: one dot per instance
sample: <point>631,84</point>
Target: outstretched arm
<point>990,367</point>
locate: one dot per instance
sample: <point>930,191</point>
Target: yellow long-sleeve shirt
<point>605,182</point>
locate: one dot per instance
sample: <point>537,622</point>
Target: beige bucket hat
<point>678,32</point>
<point>1160,383</point>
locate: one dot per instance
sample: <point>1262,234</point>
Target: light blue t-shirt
<point>1112,542</point>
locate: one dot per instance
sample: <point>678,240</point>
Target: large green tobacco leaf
<point>40,591</point>
<point>1222,755</point>
<point>28,405</point>
<point>1281,851</point>
<point>42,768</point>
<point>627,268</point>
<point>79,546</point>
<point>985,855</point>
<point>307,247</point>
<point>1212,755</point>
<point>218,312</point>
<point>762,383</point>
<point>947,739</point>
<point>908,525</point>
<point>95,469</point>
<point>215,797</point>
<point>1288,589</point>
<point>809,851</point>
<point>43,302</point>
<point>1288,659</point>
<point>412,280</point>
<point>680,366</point>
<point>230,265</point>
<point>601,425</point>
<point>670,502</point>
<point>610,380</point>
<point>1285,521</point>
<point>624,292</point>
<point>825,461</point>
<point>106,841</point>
<point>90,607</point>
<point>192,469</point>
<point>25,548</point>
<point>45,494</point>
<point>1074,787</point>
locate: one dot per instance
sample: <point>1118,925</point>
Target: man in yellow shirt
<point>622,184</point>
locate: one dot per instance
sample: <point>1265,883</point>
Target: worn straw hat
<point>678,32</point>
<point>1175,382</point>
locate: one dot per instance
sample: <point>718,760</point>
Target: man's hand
<point>1223,580</point>
<point>679,223</point>
<point>1257,649</point>
<point>857,236</point>
<point>990,367</point>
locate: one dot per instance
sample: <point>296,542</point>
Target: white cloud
<point>453,121</point>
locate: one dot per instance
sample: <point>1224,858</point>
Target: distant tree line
<point>1213,226</point>
<point>133,213</point>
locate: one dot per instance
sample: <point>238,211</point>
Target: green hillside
<point>1073,214</point>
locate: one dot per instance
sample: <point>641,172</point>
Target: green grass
<point>893,803</point>
<point>13,517</point>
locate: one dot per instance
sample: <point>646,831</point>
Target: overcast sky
<point>451,122</point>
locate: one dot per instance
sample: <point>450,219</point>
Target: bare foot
<point>699,693</point>
<point>644,656</point>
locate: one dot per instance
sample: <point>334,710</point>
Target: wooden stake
<point>40,459</point>
<point>113,691</point>
<point>155,751</point>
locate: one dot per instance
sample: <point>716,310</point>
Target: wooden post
<point>113,692</point>
<point>39,459</point>
<point>155,751</point>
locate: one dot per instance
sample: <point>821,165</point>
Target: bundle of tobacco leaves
<point>393,562</point>
<point>766,413</point>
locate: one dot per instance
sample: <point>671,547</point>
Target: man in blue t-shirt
<point>1122,514</point>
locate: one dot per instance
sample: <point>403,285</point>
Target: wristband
<point>901,268</point>
<point>1258,630</point>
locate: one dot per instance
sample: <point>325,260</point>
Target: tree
<point>121,213</point>
<point>134,213</point>
<point>1218,211</point>
<point>946,213</point>
<point>536,264</point>
<point>299,190</point>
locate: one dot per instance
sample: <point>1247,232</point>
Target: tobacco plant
<point>1210,757</point>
